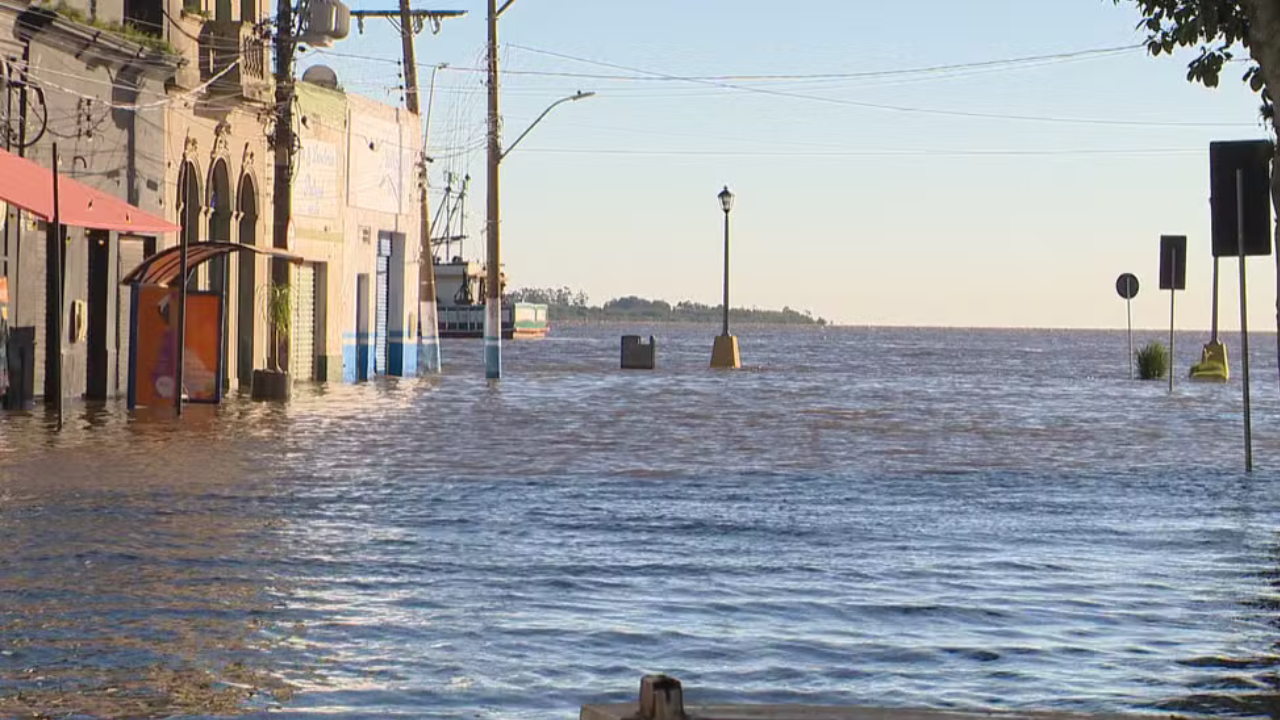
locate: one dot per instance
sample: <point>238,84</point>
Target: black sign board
<point>1252,158</point>
<point>1127,286</point>
<point>1173,262</point>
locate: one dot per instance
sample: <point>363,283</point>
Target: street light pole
<point>727,207</point>
<point>724,352</point>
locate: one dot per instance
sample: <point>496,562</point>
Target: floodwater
<point>969,519</point>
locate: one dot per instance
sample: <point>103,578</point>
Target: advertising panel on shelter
<point>154,347</point>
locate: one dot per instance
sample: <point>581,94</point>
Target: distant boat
<point>459,300</point>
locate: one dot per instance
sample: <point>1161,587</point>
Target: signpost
<point>1127,288</point>
<point>1173,277</point>
<point>1240,203</point>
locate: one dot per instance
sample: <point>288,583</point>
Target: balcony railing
<point>221,45</point>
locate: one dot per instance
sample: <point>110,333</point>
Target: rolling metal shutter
<point>382,285</point>
<point>303,362</point>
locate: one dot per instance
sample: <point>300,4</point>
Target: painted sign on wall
<point>154,347</point>
<point>315,190</point>
<point>380,165</point>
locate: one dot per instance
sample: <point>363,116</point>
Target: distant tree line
<point>569,305</point>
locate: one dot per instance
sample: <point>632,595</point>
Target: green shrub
<point>1153,361</point>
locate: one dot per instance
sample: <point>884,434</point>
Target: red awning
<point>30,187</point>
<point>165,266</point>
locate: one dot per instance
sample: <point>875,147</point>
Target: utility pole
<point>493,289</point>
<point>284,142</point>
<point>428,323</point>
<point>493,276</point>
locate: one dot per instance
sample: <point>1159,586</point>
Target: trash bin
<point>22,365</point>
<point>637,355</point>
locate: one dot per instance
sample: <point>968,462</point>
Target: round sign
<point>1127,286</point>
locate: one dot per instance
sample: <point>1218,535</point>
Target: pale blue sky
<point>862,215</point>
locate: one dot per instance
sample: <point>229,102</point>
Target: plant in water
<point>279,313</point>
<point>1153,361</point>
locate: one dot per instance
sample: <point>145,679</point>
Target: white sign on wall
<point>379,166</point>
<point>315,188</point>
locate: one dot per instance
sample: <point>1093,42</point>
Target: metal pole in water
<point>1244,322</point>
<point>1128,308</point>
<point>59,247</point>
<point>1173,261</point>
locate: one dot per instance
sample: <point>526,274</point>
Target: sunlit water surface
<point>948,519</point>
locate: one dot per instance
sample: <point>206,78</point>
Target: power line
<point>893,108</point>
<point>871,153</point>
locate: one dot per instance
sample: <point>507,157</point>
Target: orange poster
<point>155,348</point>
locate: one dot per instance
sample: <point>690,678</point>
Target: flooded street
<point>924,518</point>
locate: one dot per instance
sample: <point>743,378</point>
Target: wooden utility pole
<point>428,324</point>
<point>284,145</point>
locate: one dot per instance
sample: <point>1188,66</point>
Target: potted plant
<point>274,383</point>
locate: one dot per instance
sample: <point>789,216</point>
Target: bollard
<point>661,698</point>
<point>638,356</point>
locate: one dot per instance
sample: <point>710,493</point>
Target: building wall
<point>319,213</point>
<point>219,130</point>
<point>384,147</point>
<point>354,185</point>
<point>227,151</point>
<point>88,87</point>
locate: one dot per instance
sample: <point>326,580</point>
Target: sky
<point>1010,194</point>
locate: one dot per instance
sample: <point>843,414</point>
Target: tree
<point>1217,28</point>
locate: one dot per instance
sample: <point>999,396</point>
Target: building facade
<point>98,96</point>
<point>168,104</point>
<point>356,221</point>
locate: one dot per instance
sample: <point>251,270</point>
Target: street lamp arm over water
<point>576,96</point>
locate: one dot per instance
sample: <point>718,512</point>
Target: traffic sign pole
<point>1127,288</point>
<point>1128,307</point>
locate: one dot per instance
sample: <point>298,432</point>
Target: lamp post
<point>726,203</point>
<point>724,353</point>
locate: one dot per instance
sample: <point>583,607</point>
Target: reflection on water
<point>134,583</point>
<point>962,519</point>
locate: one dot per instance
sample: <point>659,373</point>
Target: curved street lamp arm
<point>576,96</point>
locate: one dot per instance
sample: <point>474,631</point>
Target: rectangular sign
<point>1173,262</point>
<point>1246,164</point>
<point>154,347</point>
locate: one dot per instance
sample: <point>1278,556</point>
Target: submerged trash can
<point>637,355</point>
<point>21,350</point>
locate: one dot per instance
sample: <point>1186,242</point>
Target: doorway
<point>97,354</point>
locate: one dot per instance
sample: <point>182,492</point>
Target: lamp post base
<point>724,354</point>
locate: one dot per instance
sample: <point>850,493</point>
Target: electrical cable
<point>893,108</point>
